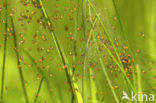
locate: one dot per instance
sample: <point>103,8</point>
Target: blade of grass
<point>93,87</point>
<point>75,34</point>
<point>38,91</point>
<point>75,41</point>
<point>118,17</point>
<point>85,62</point>
<point>108,80</point>
<point>4,54</point>
<point>39,70</point>
<point>109,38</point>
<point>61,54</point>
<point>92,82</point>
<point>18,63</point>
<point>83,3</point>
<point>139,81</point>
<point>152,48</point>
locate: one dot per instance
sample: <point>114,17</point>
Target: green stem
<point>83,2</point>
<point>152,30</point>
<point>139,81</point>
<point>38,91</point>
<point>4,54</point>
<point>108,80</point>
<point>75,35</point>
<point>18,63</point>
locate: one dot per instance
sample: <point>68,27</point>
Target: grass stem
<point>38,91</point>
<point>139,81</point>
<point>83,3</point>
<point>108,80</point>
<point>4,51</point>
<point>19,64</point>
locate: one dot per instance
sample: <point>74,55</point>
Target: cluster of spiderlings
<point>127,61</point>
<point>46,57</point>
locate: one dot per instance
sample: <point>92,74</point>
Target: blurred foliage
<point>76,51</point>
